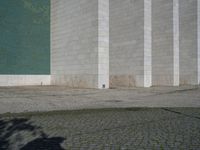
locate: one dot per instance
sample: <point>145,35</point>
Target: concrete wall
<point>77,29</point>
<point>188,42</point>
<point>162,42</point>
<point>74,42</point>
<point>150,42</point>
<point>127,42</point>
<point>24,80</point>
<point>164,34</point>
<point>132,42</point>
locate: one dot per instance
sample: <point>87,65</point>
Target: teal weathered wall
<point>24,37</point>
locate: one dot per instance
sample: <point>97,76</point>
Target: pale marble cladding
<point>198,26</point>
<point>24,80</point>
<point>147,43</point>
<point>130,64</point>
<point>103,44</point>
<point>79,39</point>
<point>165,63</point>
<point>189,41</point>
<point>176,39</point>
<point>74,43</point>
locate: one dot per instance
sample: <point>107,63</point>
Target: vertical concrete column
<point>189,41</point>
<point>176,42</point>
<point>165,46</point>
<point>147,43</point>
<point>198,26</point>
<point>103,43</point>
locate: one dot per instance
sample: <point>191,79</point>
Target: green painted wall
<point>24,37</point>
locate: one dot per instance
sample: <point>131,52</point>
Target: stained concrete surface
<point>48,98</point>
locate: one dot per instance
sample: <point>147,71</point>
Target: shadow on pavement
<point>13,127</point>
<point>45,143</point>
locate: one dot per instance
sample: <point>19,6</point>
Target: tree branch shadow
<point>11,127</point>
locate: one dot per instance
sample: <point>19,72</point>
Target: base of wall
<point>126,80</point>
<point>122,81</point>
<point>189,80</point>
<point>75,81</point>
<point>163,80</point>
<point>24,80</point>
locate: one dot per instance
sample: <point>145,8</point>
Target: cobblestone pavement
<point>48,98</point>
<point>110,129</point>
